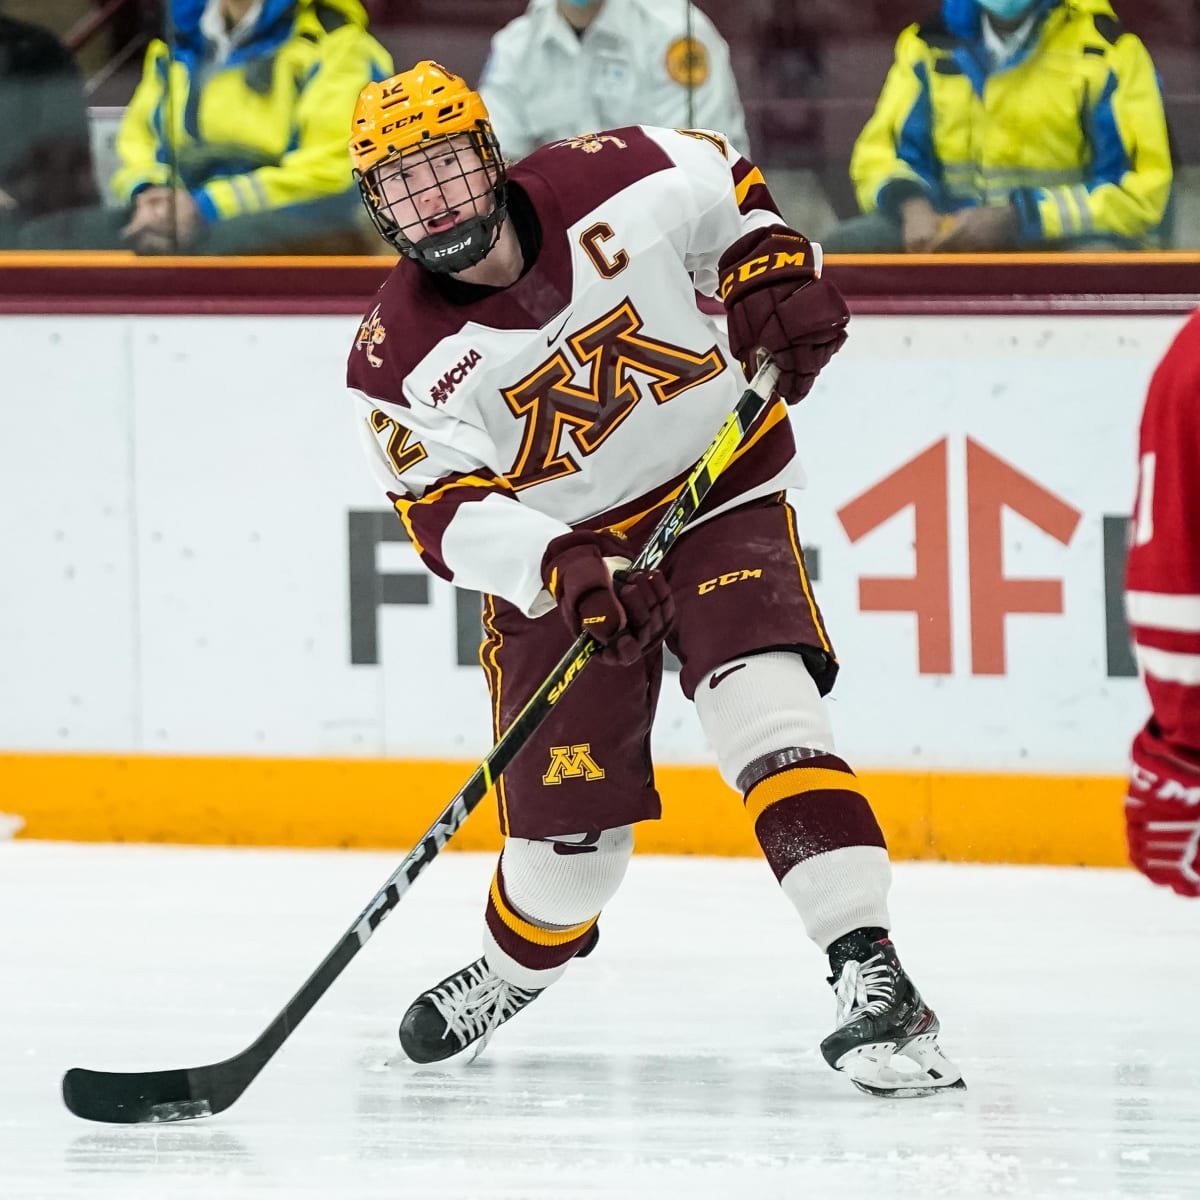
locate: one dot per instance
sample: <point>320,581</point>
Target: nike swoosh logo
<point>712,683</point>
<point>551,338</point>
<point>585,845</point>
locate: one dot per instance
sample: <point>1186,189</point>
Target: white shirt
<point>1001,47</point>
<point>543,81</point>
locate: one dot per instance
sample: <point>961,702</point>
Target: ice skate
<point>464,1009</point>
<point>886,1038</point>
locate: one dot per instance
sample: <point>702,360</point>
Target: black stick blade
<point>132,1098</point>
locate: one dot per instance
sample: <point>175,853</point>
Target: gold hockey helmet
<point>399,114</point>
<point>405,115</point>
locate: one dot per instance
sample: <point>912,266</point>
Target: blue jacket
<point>270,127</point>
<point>1071,131</point>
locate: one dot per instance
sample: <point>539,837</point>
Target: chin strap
<point>461,247</point>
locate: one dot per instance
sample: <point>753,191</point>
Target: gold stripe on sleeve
<point>742,189</point>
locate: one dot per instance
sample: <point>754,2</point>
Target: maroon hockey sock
<point>809,808</point>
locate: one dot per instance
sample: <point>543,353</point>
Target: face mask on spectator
<point>1006,10</point>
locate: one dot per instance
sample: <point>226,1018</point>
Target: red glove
<point>777,302</point>
<point>1162,814</point>
<point>627,612</point>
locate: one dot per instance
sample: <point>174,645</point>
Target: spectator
<point>45,156</point>
<point>1013,124</point>
<point>1162,598</point>
<point>244,150</point>
<point>564,67</point>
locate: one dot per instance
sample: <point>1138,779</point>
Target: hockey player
<point>1162,807</point>
<point>534,382</point>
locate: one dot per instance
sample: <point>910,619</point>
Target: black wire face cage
<point>460,183</point>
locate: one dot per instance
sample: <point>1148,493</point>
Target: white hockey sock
<point>768,724</point>
<point>544,901</point>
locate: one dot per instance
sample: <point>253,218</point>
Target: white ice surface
<point>679,1060</point>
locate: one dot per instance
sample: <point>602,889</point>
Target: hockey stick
<point>178,1095</point>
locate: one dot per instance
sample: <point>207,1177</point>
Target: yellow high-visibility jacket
<point>1071,132</point>
<point>269,128</point>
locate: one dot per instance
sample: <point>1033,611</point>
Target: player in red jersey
<point>535,382</point>
<point>1162,596</point>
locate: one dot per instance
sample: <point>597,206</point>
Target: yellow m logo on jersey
<point>566,417</point>
<point>571,762</point>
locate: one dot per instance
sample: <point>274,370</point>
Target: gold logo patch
<point>572,762</point>
<point>371,333</point>
<point>687,62</point>
<point>590,143</point>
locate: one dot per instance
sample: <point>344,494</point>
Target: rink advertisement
<point>213,628</point>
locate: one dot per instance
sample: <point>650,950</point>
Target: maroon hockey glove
<point>627,612</point>
<point>777,302</point>
<point>1162,814</point>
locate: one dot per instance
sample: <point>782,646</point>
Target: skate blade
<point>871,1071</point>
<point>908,1091</point>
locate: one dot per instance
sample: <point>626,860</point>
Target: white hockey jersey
<point>583,394</point>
